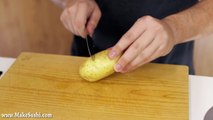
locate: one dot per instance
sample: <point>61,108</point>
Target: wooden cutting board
<point>51,84</point>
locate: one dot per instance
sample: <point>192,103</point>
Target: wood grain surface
<point>51,84</point>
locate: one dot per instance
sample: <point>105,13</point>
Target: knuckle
<point>123,61</point>
<point>69,10</point>
<point>135,47</point>
<point>148,18</point>
<point>82,4</point>
<point>64,14</point>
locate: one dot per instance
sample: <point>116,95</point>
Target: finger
<point>158,53</point>
<point>130,54</point>
<point>63,19</point>
<point>144,40</point>
<point>80,19</point>
<point>141,43</point>
<point>149,54</point>
<point>129,69</point>
<point>152,57</point>
<point>71,12</point>
<point>127,39</point>
<point>70,24</point>
<point>64,22</point>
<point>93,20</point>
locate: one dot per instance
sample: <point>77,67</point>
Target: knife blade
<point>88,48</point>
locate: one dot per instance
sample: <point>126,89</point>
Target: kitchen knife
<point>88,47</point>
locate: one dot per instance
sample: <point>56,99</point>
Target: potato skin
<point>99,68</point>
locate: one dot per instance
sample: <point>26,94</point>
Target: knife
<point>88,47</point>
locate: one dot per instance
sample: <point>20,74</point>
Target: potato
<point>99,68</point>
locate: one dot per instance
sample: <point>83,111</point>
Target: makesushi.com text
<point>26,115</point>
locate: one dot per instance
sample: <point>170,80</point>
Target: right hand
<point>81,17</point>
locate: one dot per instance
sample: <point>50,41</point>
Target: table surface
<point>200,91</point>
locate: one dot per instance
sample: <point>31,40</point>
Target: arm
<point>150,38</point>
<point>193,23</point>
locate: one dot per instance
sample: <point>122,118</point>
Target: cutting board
<point>51,84</point>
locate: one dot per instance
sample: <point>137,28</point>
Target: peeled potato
<point>99,68</point>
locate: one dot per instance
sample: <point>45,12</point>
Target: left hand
<point>148,39</point>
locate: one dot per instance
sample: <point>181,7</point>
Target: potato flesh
<point>99,68</point>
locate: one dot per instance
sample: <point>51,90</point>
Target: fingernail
<point>118,67</point>
<point>112,54</point>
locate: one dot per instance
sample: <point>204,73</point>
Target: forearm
<point>61,3</point>
<point>193,23</point>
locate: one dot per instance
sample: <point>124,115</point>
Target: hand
<point>146,40</point>
<point>81,17</point>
